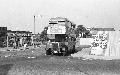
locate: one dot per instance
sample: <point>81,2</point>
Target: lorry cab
<point>61,38</point>
<point>62,44</point>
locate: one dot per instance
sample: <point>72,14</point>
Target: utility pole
<point>34,24</point>
<point>34,27</point>
<point>34,32</point>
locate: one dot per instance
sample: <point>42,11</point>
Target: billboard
<point>99,44</point>
<point>56,29</point>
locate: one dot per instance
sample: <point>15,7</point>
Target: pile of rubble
<point>85,55</point>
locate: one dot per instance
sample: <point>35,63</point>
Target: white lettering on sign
<point>55,29</point>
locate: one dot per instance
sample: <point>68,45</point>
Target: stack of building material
<point>84,41</point>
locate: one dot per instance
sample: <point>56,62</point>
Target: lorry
<point>61,35</point>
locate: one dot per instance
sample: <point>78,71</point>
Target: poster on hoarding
<point>99,44</point>
<point>56,30</point>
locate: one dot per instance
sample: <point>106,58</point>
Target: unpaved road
<point>57,65</point>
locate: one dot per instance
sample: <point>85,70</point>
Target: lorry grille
<point>55,46</point>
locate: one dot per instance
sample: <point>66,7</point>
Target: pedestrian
<point>14,44</point>
<point>25,46</point>
<point>21,42</point>
<point>18,42</point>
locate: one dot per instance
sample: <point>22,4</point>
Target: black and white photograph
<point>59,37</point>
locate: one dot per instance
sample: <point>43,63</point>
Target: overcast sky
<point>18,14</point>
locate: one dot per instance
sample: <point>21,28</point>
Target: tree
<point>82,30</point>
<point>79,30</point>
<point>43,35</point>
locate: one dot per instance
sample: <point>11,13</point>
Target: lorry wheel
<point>73,51</point>
<point>48,52</point>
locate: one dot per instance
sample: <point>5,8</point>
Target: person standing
<point>15,46</point>
<point>25,46</point>
<point>17,42</point>
<point>21,42</point>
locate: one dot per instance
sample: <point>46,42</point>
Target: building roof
<point>3,29</point>
<point>19,31</point>
<point>103,29</point>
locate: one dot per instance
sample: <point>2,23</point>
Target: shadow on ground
<point>5,68</point>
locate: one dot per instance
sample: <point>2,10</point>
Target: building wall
<point>22,35</point>
<point>3,36</point>
<point>113,48</point>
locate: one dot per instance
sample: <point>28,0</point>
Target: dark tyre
<point>48,52</point>
<point>73,51</point>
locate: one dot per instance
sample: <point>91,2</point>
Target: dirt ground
<point>47,65</point>
<point>19,64</point>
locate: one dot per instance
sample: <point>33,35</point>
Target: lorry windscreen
<point>59,38</point>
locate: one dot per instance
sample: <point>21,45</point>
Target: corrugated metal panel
<point>113,48</point>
